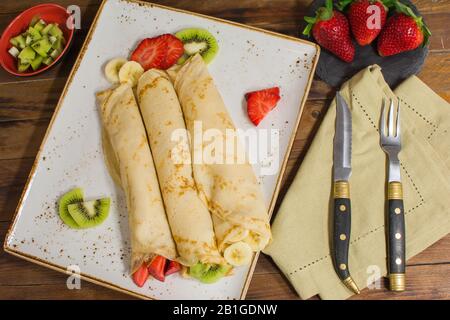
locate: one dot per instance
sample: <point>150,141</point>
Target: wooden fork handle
<point>396,241</point>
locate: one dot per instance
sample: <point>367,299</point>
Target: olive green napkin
<point>301,229</point>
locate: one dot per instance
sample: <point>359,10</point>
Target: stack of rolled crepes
<point>189,218</point>
<point>230,190</point>
<point>125,132</point>
<point>208,207</point>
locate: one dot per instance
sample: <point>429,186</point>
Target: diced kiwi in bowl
<point>38,46</point>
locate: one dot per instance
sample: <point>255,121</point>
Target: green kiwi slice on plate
<point>89,214</point>
<point>71,197</point>
<point>209,273</point>
<point>200,41</point>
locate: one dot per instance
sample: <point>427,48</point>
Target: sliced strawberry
<point>172,267</point>
<point>156,268</point>
<point>160,52</point>
<point>150,53</point>
<point>140,276</point>
<point>260,103</point>
<point>274,90</point>
<point>174,50</point>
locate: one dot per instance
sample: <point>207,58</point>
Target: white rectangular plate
<point>71,153</point>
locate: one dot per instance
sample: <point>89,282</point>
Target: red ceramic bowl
<point>48,12</point>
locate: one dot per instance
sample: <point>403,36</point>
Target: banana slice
<point>185,272</point>
<point>238,254</point>
<point>237,234</point>
<point>255,241</point>
<point>112,69</point>
<point>130,72</point>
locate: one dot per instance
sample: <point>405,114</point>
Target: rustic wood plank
<point>42,95</point>
<point>37,102</point>
<point>222,7</point>
<point>88,291</point>
<point>10,9</point>
<point>16,7</point>
<point>435,74</point>
<point>289,17</point>
<point>15,171</point>
<point>20,279</point>
<point>12,134</point>
<point>438,24</point>
<point>209,7</point>
<point>266,276</point>
<point>438,253</point>
<point>259,14</point>
<point>424,282</point>
<point>427,6</point>
<point>40,282</point>
<point>9,199</point>
<point>271,286</point>
<point>21,139</point>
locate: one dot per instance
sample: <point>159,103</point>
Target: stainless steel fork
<point>391,144</point>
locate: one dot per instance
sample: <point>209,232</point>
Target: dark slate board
<point>395,68</point>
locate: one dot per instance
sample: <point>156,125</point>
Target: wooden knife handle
<point>341,236</point>
<point>396,241</point>
<point>341,233</point>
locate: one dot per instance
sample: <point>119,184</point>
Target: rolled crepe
<point>129,150</point>
<point>230,190</point>
<point>189,218</point>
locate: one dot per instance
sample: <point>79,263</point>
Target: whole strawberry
<point>404,31</point>
<point>330,29</point>
<point>366,18</point>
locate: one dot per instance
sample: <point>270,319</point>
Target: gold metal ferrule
<point>341,189</point>
<point>350,284</point>
<point>395,191</point>
<point>397,281</point>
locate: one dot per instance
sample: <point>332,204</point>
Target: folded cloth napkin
<point>302,227</point>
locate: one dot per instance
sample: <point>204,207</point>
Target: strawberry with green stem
<point>331,30</point>
<point>404,31</point>
<point>366,18</point>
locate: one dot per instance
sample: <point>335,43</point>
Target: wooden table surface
<point>27,104</point>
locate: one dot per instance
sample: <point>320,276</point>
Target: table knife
<point>342,152</point>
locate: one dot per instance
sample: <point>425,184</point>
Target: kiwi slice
<point>22,67</point>
<point>39,25</point>
<point>35,20</point>
<point>28,40</point>
<point>26,55</point>
<point>71,197</point>
<point>36,63</point>
<point>56,31</point>
<point>208,273</point>
<point>34,34</point>
<point>47,29</point>
<point>89,213</point>
<point>57,44</point>
<point>48,61</point>
<point>18,41</point>
<point>42,47</point>
<point>197,41</point>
